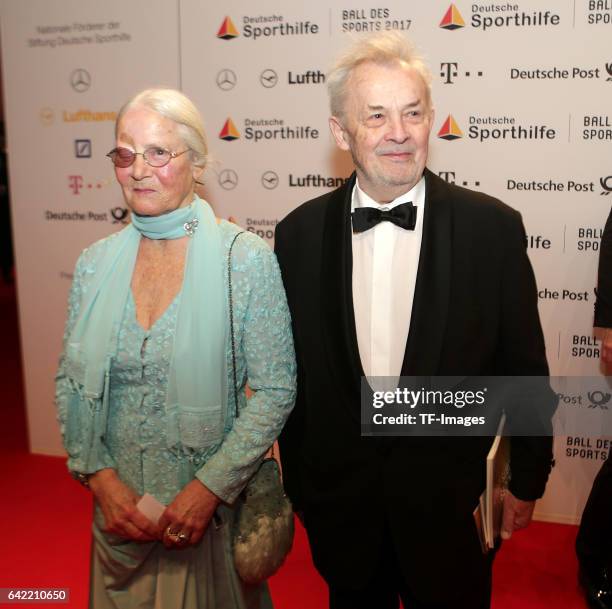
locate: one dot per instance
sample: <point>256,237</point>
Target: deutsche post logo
<point>599,399</point>
<point>606,185</point>
<point>119,215</point>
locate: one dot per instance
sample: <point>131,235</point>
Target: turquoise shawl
<point>197,382</point>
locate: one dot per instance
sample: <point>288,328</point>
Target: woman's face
<point>153,191</point>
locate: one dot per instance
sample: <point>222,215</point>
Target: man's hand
<point>118,502</point>
<point>516,515</point>
<point>188,515</point>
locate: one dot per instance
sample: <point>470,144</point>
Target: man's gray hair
<point>385,48</point>
<point>177,107</point>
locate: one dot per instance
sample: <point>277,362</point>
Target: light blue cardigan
<point>223,459</point>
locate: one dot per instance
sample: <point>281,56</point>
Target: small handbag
<point>263,530</point>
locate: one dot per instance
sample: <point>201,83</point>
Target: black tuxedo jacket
<point>474,313</point>
<point>603,304</point>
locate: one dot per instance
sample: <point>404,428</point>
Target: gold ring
<point>177,537</point>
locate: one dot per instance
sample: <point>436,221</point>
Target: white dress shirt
<point>385,264</point>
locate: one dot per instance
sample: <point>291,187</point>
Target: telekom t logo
<point>75,183</point>
<point>448,71</point>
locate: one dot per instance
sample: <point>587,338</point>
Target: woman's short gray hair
<point>385,48</point>
<point>177,107</point>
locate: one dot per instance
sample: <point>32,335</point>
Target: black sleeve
<point>603,304</point>
<point>525,356</point>
<point>290,439</point>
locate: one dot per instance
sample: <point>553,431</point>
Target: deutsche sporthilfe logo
<point>450,129</point>
<point>228,30</point>
<point>229,132</point>
<point>452,19</point>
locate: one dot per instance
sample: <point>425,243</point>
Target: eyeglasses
<point>154,156</point>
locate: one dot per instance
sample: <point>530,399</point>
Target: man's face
<point>386,127</point>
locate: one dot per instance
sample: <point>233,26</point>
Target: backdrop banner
<point>523,99</point>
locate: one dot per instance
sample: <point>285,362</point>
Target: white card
<point>151,508</point>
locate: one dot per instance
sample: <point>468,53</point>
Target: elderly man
<point>398,272</point>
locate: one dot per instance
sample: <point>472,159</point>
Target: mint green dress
<point>127,575</point>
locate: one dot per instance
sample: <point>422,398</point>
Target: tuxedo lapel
<point>432,289</point>
<point>338,316</point>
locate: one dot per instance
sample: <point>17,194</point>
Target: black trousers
<point>387,586</point>
<point>594,541</point>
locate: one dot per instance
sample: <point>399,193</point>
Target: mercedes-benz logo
<point>269,180</point>
<point>80,80</point>
<point>268,78</point>
<point>226,79</point>
<point>228,179</point>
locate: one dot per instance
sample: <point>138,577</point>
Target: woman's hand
<point>118,502</point>
<point>188,516</point>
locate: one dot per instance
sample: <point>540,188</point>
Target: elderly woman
<point>145,389</point>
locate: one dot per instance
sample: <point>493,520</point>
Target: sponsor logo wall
<point>522,91</point>
<point>67,68</point>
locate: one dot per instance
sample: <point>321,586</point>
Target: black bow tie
<point>403,215</point>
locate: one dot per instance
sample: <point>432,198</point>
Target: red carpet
<point>45,520</point>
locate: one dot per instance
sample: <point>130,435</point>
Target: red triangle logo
<point>228,30</point>
<point>450,130</point>
<point>452,19</point>
<point>229,131</point>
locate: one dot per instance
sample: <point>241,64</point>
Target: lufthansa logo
<point>47,116</point>
<point>268,78</point>
<point>269,180</point>
<point>228,179</point>
<point>226,79</point>
<point>80,80</point>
